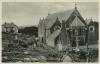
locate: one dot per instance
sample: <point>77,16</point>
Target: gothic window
<point>71,31</point>
<point>56,27</point>
<point>82,31</point>
<point>91,28</point>
<point>42,39</point>
<point>76,32</point>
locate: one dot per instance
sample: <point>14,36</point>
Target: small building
<point>9,28</point>
<point>9,34</point>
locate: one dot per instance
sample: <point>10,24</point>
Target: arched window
<point>42,40</point>
<point>56,27</point>
<point>91,28</point>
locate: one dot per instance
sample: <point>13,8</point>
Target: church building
<point>66,29</point>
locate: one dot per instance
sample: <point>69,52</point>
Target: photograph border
<point>44,1</point>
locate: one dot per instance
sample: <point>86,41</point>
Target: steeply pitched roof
<point>77,22</point>
<point>75,14</point>
<point>64,15</point>
<point>51,19</point>
<point>54,34</point>
<point>87,21</point>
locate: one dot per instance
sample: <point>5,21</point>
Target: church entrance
<point>77,36</point>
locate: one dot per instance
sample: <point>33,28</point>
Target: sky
<point>29,13</point>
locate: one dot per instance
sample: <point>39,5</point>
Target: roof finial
<point>48,14</point>
<point>91,19</point>
<point>75,4</point>
<point>57,17</point>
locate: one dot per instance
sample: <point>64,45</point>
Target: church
<point>67,29</point>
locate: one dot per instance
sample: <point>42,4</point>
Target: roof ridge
<point>61,12</point>
<point>62,15</point>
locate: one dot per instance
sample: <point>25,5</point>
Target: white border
<point>43,1</point>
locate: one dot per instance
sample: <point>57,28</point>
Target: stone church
<point>67,29</point>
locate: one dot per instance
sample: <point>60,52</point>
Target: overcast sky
<point>29,13</point>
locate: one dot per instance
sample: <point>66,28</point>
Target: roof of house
<point>9,25</point>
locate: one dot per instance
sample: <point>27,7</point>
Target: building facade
<point>9,31</point>
<point>66,29</point>
<point>9,34</point>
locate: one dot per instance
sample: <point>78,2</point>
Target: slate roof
<point>54,34</point>
<point>87,21</point>
<point>75,14</point>
<point>77,22</point>
<point>64,15</point>
<point>50,19</point>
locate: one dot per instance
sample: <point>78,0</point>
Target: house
<point>9,28</point>
<point>9,34</point>
<point>64,29</point>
